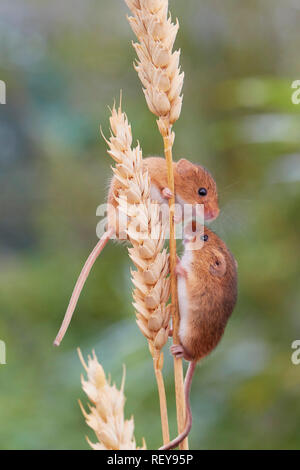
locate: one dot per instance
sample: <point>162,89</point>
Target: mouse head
<point>209,251</point>
<point>195,186</point>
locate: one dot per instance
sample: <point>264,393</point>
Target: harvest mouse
<point>207,294</point>
<point>193,185</point>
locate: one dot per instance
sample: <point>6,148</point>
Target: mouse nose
<point>211,213</point>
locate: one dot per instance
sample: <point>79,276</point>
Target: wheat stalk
<point>159,71</point>
<point>147,235</point>
<point>106,413</point>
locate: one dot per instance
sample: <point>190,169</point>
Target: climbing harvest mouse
<point>193,185</point>
<point>207,294</point>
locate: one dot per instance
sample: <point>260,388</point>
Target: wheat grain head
<point>106,411</point>
<point>146,234</point>
<point>157,65</point>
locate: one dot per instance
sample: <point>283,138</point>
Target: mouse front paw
<point>180,270</point>
<point>167,193</point>
<point>177,218</point>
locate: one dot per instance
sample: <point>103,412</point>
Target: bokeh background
<point>63,63</point>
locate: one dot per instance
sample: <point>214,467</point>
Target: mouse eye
<point>202,192</point>
<point>204,238</point>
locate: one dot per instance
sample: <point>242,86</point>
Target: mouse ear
<point>184,167</point>
<point>218,266</point>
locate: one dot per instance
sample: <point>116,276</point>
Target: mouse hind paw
<point>177,350</point>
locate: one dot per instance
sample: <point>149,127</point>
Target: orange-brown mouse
<point>207,293</point>
<point>193,185</point>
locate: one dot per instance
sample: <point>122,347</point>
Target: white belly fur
<point>183,300</point>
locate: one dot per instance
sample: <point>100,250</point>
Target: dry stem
<point>163,405</point>
<point>159,71</point>
<point>178,370</point>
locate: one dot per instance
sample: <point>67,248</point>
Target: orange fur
<point>211,287</point>
<point>189,178</point>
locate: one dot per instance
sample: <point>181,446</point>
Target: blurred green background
<point>63,63</point>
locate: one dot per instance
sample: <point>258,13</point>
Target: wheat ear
<point>159,71</point>
<point>147,235</point>
<point>106,413</point>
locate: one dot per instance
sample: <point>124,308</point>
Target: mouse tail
<point>80,283</point>
<point>188,420</point>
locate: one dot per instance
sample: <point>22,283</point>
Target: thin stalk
<point>178,370</point>
<point>163,405</point>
